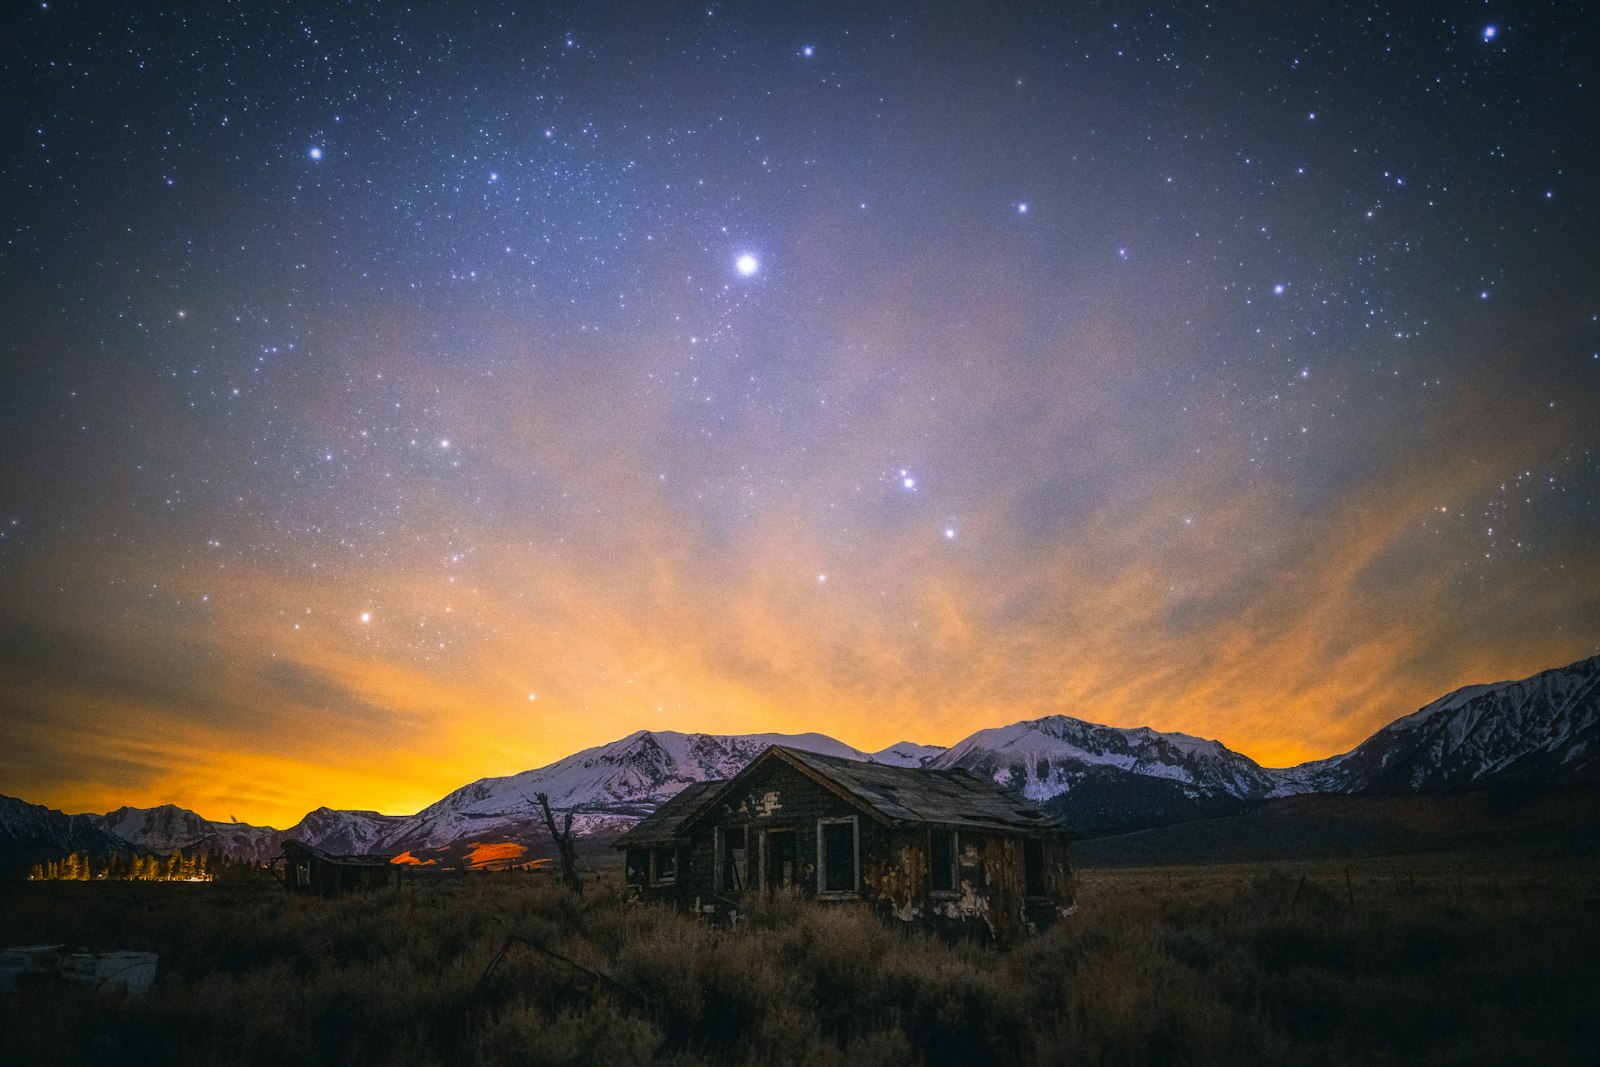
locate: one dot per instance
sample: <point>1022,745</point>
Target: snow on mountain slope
<point>343,833</point>
<point>162,829</point>
<point>606,786</point>
<point>159,829</point>
<point>907,754</point>
<point>1544,728</point>
<point>1045,757</point>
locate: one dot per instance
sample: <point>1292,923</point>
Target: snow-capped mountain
<point>1042,758</point>
<point>157,830</point>
<point>1101,779</point>
<point>167,827</point>
<point>908,754</point>
<point>33,833</point>
<point>343,833</point>
<point>1544,728</point>
<point>605,787</point>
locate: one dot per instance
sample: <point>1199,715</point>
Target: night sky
<point>393,396</point>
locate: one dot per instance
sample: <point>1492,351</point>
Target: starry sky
<point>396,395</point>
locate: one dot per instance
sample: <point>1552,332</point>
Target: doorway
<point>780,859</point>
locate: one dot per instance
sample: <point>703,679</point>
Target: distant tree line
<point>180,866</point>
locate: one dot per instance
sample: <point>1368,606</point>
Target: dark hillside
<point>1508,819</point>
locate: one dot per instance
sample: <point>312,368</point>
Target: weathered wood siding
<point>776,798</point>
<point>998,885</point>
<point>989,894</point>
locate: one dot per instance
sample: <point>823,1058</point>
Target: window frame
<point>824,893</point>
<point>655,869</point>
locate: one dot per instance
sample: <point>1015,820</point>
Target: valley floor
<point>1461,958</point>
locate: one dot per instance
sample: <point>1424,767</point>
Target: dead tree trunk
<point>563,840</point>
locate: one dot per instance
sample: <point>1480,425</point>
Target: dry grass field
<point>1453,959</point>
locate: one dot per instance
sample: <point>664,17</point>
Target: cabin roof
<point>897,796</point>
<point>667,825</point>
<point>955,797</point>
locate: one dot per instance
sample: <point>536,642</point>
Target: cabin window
<point>838,855</point>
<point>942,860</point>
<point>1033,867</point>
<point>663,866</point>
<point>731,859</point>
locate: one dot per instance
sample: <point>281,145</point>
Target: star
<point>1490,32</point>
<point>808,51</point>
<point>747,264</point>
<point>315,153</point>
<point>366,616</point>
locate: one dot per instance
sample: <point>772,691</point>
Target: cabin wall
<point>775,799</point>
<point>989,896</point>
<point>780,808</point>
<point>638,877</point>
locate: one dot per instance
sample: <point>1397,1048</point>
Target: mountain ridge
<point>1099,778</point>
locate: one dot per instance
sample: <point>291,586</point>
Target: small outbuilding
<point>308,869</point>
<point>945,849</point>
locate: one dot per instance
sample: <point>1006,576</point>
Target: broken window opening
<point>663,866</point>
<point>838,855</point>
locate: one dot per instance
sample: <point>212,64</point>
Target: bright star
<point>1489,32</point>
<point>949,533</point>
<point>747,264</point>
<point>366,616</point>
<point>808,51</point>
<point>1022,207</point>
<point>315,153</point>
<point>1277,290</point>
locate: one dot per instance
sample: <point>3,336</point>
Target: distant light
<point>315,153</point>
<point>808,51</point>
<point>366,616</point>
<point>949,533</point>
<point>747,264</point>
<point>1277,290</point>
<point>1490,32</point>
<point>821,578</point>
<point>909,482</point>
<point>445,443</point>
<point>532,696</point>
<point>1022,207</point>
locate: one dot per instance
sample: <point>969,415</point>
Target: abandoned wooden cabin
<point>308,869</point>
<point>946,849</point>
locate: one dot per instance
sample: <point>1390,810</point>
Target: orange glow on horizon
<point>1186,600</point>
